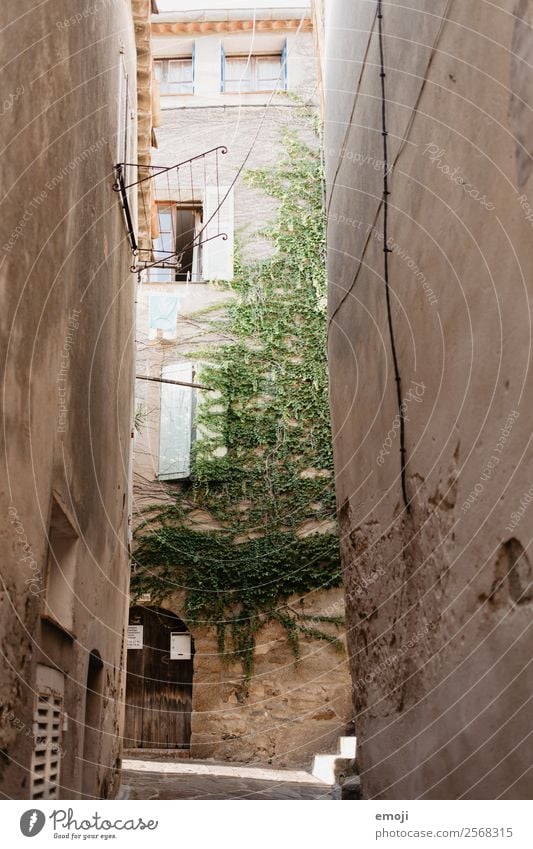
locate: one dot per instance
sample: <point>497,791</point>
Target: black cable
<point>386,252</point>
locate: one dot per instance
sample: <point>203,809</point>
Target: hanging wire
<point>386,252</point>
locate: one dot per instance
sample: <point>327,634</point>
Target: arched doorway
<point>159,681</point>
<point>93,725</point>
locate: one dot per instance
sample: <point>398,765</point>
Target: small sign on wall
<point>135,636</point>
<point>180,646</point>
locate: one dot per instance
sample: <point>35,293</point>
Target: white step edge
<point>324,765</point>
<point>183,767</point>
<point>324,768</point>
<point>346,747</point>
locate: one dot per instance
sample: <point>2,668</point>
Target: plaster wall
<point>439,637</point>
<point>66,338</point>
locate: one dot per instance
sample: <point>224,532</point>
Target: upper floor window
<point>253,73</point>
<point>193,241</point>
<point>175,76</point>
<point>178,243</point>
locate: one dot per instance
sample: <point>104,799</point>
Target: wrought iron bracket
<point>154,258</point>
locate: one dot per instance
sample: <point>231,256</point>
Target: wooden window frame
<point>253,59</point>
<point>198,208</point>
<point>166,87</point>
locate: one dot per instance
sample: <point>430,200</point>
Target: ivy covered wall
<point>263,460</point>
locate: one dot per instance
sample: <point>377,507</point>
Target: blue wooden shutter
<point>176,423</point>
<point>222,69</point>
<point>284,66</point>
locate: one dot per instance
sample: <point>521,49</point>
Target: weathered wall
<point>67,376</point>
<point>291,711</point>
<point>439,599</point>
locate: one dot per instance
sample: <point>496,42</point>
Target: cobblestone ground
<point>142,785</point>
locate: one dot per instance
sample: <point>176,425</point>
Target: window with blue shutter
<point>253,73</point>
<point>283,81</point>
<point>175,76</point>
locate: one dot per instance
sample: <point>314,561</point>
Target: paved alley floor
<point>193,780</point>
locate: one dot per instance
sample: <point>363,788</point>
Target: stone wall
<point>291,710</point>
<point>439,597</point>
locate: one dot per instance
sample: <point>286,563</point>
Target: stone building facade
<point>67,353</point>
<point>436,540</point>
<point>291,711</point>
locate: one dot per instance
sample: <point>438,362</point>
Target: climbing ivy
<point>263,466</point>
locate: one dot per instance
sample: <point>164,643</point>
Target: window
<point>175,76</point>
<point>179,227</point>
<point>176,434</point>
<point>249,73</point>
<point>189,239</point>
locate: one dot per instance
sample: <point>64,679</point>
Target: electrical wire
<point>387,251</point>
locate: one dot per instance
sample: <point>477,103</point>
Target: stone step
<point>324,765</point>
<point>324,768</point>
<point>234,770</point>
<point>346,747</point>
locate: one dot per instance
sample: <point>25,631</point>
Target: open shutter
<point>176,421</point>
<point>283,81</point>
<point>193,67</point>
<point>222,69</point>
<point>217,254</point>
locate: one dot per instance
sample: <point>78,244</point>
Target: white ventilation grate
<point>47,746</point>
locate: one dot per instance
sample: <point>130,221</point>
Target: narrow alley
<point>266,275</point>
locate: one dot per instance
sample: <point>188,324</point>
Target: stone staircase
<point>326,767</point>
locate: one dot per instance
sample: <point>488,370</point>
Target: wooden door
<point>158,688</point>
